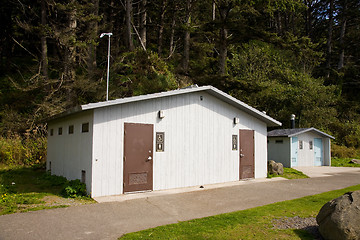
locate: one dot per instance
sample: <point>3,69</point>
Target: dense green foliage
<point>24,188</point>
<point>29,151</point>
<point>255,223</point>
<point>338,151</point>
<point>282,57</point>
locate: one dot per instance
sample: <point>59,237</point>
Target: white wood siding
<point>306,156</point>
<point>197,142</point>
<point>69,154</point>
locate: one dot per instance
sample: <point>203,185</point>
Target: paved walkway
<point>110,220</point>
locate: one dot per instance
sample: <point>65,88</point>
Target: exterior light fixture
<point>161,114</point>
<point>236,120</point>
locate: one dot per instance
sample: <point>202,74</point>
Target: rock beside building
<point>340,218</point>
<point>356,161</point>
<point>275,168</point>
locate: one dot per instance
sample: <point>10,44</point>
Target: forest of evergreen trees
<point>279,56</point>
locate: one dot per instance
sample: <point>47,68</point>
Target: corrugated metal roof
<point>295,131</point>
<point>209,89</point>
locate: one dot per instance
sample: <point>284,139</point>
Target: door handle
<point>242,155</point>
<point>148,159</point>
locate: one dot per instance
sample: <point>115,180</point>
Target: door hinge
<point>124,159</point>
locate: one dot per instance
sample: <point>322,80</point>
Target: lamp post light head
<point>105,34</point>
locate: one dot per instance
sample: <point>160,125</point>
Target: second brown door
<point>138,157</point>
<point>247,162</point>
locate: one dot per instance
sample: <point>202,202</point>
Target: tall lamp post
<point>108,65</point>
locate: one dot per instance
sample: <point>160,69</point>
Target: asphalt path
<point>110,220</point>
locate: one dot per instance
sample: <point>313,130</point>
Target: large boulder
<point>275,168</point>
<point>340,218</point>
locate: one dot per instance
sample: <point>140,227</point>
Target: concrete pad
<point>148,194</point>
<point>325,171</point>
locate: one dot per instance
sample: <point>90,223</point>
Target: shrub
<point>343,152</point>
<point>54,180</point>
<point>74,188</point>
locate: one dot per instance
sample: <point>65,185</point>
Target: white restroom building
<point>300,147</point>
<point>180,138</point>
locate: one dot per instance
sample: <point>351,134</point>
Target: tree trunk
<point>308,26</point>
<point>161,26</point>
<point>70,48</point>
<point>342,35</point>
<point>329,39</point>
<point>143,22</point>
<point>172,34</point>
<point>69,64</point>
<point>44,55</point>
<point>224,9</point>
<point>128,17</point>
<point>278,23</point>
<point>223,50</point>
<point>93,29</point>
<point>186,55</point>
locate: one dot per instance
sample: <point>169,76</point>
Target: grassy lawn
<point>255,223</point>
<point>343,162</point>
<point>290,173</point>
<point>28,189</point>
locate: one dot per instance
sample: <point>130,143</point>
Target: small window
<point>279,141</point>
<point>234,142</point>
<point>51,132</point>
<point>71,129</point>
<point>85,127</point>
<point>60,131</point>
<point>300,144</point>
<point>311,145</point>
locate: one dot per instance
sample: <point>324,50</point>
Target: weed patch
<point>29,189</point>
<point>343,162</point>
<point>290,173</point>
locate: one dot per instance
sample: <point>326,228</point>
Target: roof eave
<point>312,129</point>
<point>270,122</point>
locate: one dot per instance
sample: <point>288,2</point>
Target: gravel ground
<point>307,224</point>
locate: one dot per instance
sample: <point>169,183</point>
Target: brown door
<point>246,154</point>
<point>138,157</point>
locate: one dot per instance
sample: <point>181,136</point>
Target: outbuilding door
<point>318,152</point>
<point>246,154</point>
<point>138,157</point>
<point>294,151</point>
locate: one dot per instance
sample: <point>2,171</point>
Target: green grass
<point>255,223</point>
<point>24,188</point>
<point>290,173</point>
<point>343,162</point>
